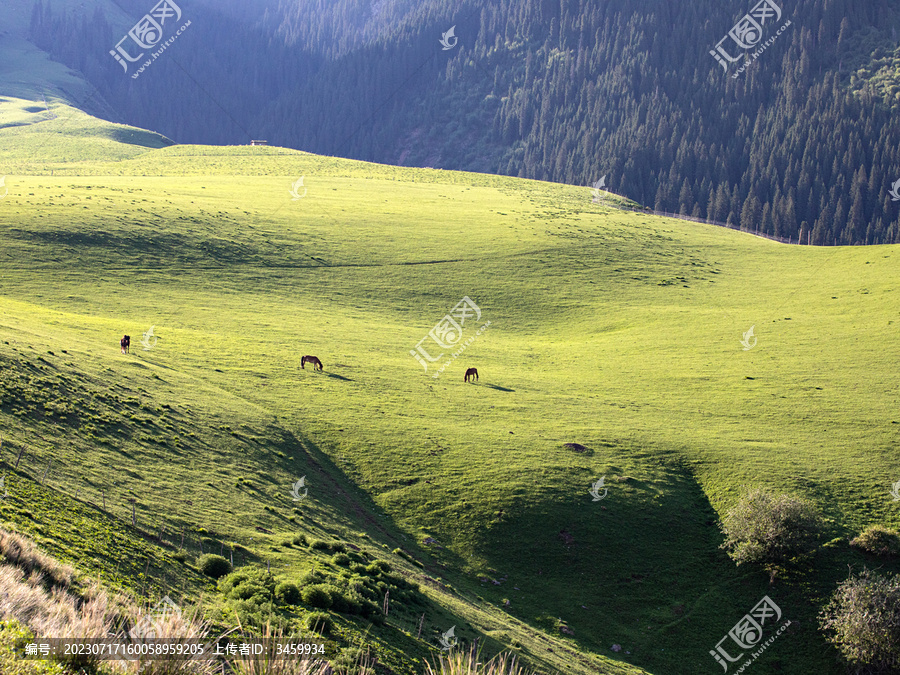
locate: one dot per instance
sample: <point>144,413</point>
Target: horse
<point>125,343</point>
<point>472,373</point>
<point>314,360</point>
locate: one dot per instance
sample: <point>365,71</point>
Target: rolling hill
<point>609,347</point>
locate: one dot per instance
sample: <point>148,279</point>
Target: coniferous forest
<point>803,144</point>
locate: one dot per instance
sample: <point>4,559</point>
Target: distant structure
<point>259,142</point>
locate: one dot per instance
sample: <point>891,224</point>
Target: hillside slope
<point>797,137</point>
<point>615,331</point>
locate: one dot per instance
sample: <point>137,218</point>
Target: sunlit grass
<point>616,331</point>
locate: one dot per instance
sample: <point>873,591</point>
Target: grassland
<point>614,330</point>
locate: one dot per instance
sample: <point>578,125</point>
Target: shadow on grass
<point>497,387</point>
<point>339,377</point>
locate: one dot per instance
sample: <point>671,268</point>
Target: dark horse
<point>125,343</point>
<point>472,373</point>
<point>314,360</point>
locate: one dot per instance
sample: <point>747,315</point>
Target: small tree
<point>770,529</point>
<point>863,622</point>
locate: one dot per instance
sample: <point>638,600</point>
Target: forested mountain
<point>802,143</point>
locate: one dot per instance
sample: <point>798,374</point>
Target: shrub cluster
<point>862,619</point>
<point>355,589</point>
<point>878,540</point>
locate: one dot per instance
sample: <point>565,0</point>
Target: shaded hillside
<point>803,144</point>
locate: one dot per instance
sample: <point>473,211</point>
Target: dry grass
<point>56,612</point>
<point>283,666</point>
<point>181,627</point>
<point>44,597</point>
<point>469,663</point>
<point>40,593</point>
<point>21,552</point>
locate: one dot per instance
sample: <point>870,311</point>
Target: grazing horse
<point>472,373</point>
<point>314,360</point>
<point>125,343</point>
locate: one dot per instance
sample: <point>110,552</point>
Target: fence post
<point>21,452</point>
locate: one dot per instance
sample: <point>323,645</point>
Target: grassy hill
<point>612,330</point>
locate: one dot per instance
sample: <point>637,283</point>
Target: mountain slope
<point>613,351</point>
<point>802,144</point>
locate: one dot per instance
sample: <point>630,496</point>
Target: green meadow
<point>610,329</point>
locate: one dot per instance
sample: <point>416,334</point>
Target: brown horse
<point>314,360</point>
<point>473,373</point>
<point>125,343</point>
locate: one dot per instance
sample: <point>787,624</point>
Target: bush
<point>287,593</point>
<point>249,584</point>
<point>300,540</point>
<point>341,559</point>
<point>214,566</point>
<point>343,601</point>
<point>878,540</point>
<point>407,556</point>
<point>378,567</point>
<point>863,622</point>
<point>13,637</point>
<point>770,529</point>
<point>316,596</point>
<point>319,545</point>
<point>312,577</point>
<point>320,622</point>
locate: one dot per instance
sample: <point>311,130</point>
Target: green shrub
<point>770,529</point>
<point>287,593</point>
<point>320,622</point>
<point>863,621</point>
<point>343,601</point>
<point>878,540</point>
<point>13,637</point>
<point>300,540</point>
<point>249,583</point>
<point>341,559</point>
<point>403,554</point>
<point>259,615</point>
<point>319,545</point>
<point>316,596</point>
<point>377,568</point>
<point>312,577</point>
<point>214,566</point>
